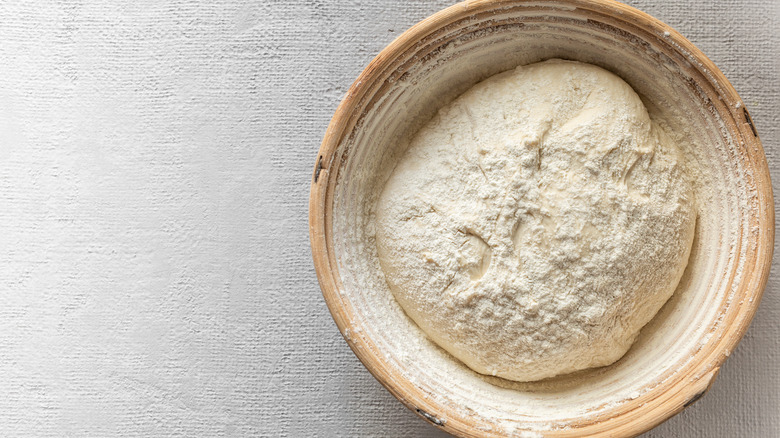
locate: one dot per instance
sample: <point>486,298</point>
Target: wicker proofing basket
<point>680,352</point>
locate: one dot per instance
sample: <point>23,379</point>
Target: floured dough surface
<point>537,222</point>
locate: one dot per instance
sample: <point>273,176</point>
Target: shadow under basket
<point>679,353</point>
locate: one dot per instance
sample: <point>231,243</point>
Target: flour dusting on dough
<point>537,222</point>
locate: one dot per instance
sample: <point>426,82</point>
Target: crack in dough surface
<point>537,222</point>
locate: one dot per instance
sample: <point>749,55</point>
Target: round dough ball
<point>537,222</point>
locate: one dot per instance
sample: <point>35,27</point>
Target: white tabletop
<point>155,271</point>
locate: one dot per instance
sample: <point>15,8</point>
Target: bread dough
<point>537,222</point>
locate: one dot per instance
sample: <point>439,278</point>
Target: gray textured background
<point>155,272</point>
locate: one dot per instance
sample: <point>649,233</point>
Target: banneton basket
<point>679,353</point>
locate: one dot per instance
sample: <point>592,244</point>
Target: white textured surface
<point>155,274</point>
